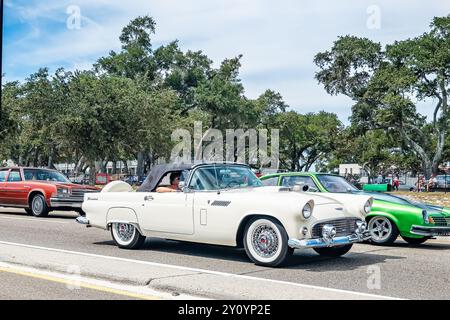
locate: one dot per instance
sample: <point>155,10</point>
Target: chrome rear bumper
<point>82,220</point>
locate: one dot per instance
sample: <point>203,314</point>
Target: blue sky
<point>278,39</point>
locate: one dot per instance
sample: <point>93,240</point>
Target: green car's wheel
<point>415,241</point>
<point>382,230</point>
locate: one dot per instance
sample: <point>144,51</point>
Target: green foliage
<point>387,84</point>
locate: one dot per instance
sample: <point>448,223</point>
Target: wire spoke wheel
<point>126,235</point>
<point>265,241</point>
<point>125,231</point>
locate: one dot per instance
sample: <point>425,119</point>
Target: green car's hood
<point>430,208</point>
<point>433,209</point>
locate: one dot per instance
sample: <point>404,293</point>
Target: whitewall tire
<point>126,236</point>
<point>266,242</point>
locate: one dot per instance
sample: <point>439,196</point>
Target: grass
<point>436,198</point>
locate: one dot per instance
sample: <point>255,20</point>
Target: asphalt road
<point>24,286</point>
<point>400,270</point>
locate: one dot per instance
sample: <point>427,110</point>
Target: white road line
<point>74,282</point>
<point>225,274</point>
<point>35,220</point>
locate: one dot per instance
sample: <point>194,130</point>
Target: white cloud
<point>278,39</point>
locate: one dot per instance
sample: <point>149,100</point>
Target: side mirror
<point>305,188</point>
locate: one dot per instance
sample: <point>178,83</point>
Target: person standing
<point>396,183</point>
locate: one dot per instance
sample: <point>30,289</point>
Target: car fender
<point>289,226</point>
<point>383,214</point>
<point>46,195</point>
<point>122,215</point>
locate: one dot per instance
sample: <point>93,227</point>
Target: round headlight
<point>367,206</point>
<point>307,211</point>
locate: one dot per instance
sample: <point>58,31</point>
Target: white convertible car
<point>226,204</point>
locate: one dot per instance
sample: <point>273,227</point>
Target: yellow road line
<point>79,283</point>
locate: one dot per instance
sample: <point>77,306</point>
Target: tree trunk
<point>125,165</point>
<point>92,172</point>
<point>114,167</point>
<point>427,164</point>
<point>140,164</point>
<point>79,166</point>
<point>50,159</point>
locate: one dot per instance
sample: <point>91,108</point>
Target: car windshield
<point>44,175</point>
<point>336,184</point>
<point>217,177</point>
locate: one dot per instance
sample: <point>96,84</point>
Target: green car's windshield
<point>216,177</point>
<point>336,184</point>
<point>44,175</point>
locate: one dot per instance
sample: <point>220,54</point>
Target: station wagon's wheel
<point>334,251</point>
<point>415,241</point>
<point>39,207</point>
<point>382,230</point>
<point>266,242</point>
<point>126,236</point>
<point>29,211</point>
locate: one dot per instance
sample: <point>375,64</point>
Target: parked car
<point>40,191</point>
<point>226,204</point>
<point>443,182</point>
<point>390,216</point>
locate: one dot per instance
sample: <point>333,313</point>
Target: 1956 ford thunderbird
<point>226,204</point>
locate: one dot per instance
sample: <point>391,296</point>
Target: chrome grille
<point>79,193</point>
<point>344,227</point>
<point>441,221</point>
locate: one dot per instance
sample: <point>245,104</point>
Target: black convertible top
<point>160,170</point>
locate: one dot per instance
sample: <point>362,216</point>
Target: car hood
<point>318,199</point>
<point>66,185</point>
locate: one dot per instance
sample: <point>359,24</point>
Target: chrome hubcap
<point>380,229</point>
<point>37,205</point>
<point>125,232</point>
<point>265,241</point>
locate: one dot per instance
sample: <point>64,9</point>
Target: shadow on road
<point>423,246</point>
<point>307,260</point>
<point>52,215</point>
<point>350,261</point>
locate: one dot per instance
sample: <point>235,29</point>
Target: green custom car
<point>391,215</point>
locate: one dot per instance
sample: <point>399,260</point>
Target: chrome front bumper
<point>66,202</point>
<point>430,231</point>
<point>326,242</point>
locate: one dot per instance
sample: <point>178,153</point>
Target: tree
<point>383,85</point>
<point>9,127</point>
<point>306,139</point>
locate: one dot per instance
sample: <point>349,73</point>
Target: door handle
<point>148,198</point>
